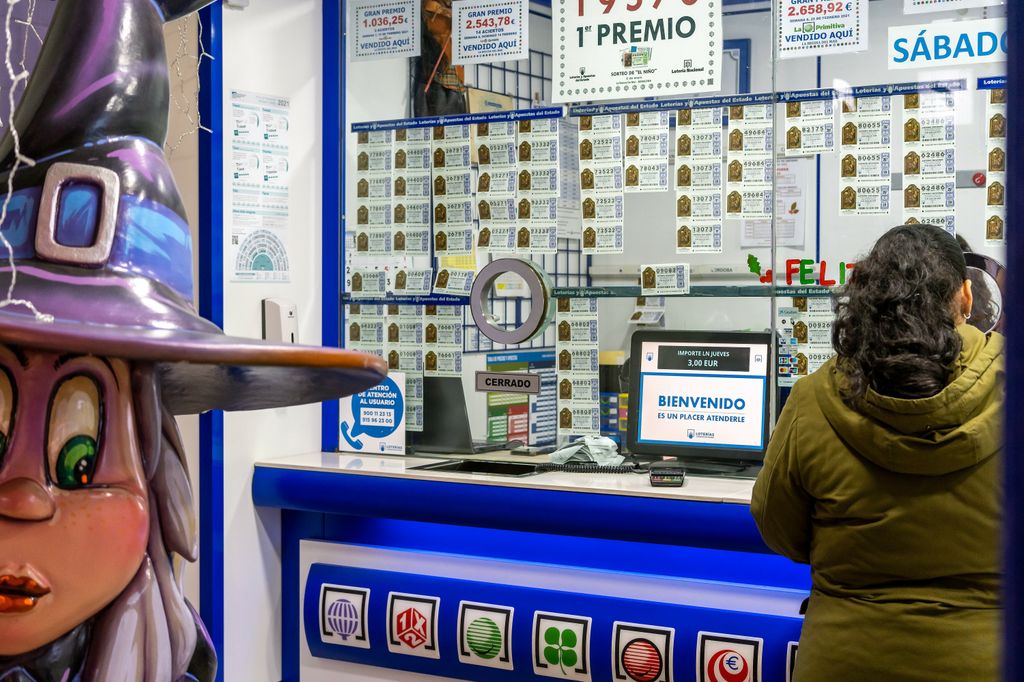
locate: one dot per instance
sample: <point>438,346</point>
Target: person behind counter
<point>883,473</point>
<point>985,314</point>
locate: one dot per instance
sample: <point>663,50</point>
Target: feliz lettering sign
<point>806,272</point>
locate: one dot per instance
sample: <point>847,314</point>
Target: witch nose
<point>23,499</point>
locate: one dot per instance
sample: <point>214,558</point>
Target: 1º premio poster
<point>623,49</point>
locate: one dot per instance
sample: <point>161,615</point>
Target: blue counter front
<point>565,576</point>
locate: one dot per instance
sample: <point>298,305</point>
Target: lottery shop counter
<point>388,566</point>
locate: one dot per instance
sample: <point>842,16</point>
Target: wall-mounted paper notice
<point>672,48</point>
<point>259,188</point>
<point>791,191</point>
<point>384,29</point>
<point>490,31</point>
<point>813,29</point>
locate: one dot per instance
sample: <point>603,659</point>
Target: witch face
<point>74,515</point>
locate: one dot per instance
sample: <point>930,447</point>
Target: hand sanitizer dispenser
<point>280,321</point>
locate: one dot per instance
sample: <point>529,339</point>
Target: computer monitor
<point>446,427</point>
<point>699,395</point>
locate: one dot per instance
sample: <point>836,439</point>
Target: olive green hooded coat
<point>897,509</point>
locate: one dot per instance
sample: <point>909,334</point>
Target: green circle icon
<point>484,638</point>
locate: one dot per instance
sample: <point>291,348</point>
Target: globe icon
<point>484,638</point>
<point>343,618</point>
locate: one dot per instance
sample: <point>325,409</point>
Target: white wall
<point>182,44</point>
<point>272,47</point>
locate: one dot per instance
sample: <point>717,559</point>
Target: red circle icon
<point>641,660</point>
<point>689,2</point>
<point>979,179</point>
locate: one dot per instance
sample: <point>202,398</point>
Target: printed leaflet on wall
<point>793,179</point>
<point>569,215</point>
<point>403,345</point>
<point>518,416</point>
<point>259,187</point>
<point>668,278</point>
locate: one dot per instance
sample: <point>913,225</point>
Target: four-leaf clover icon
<point>561,648</point>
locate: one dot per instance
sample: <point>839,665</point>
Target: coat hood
<point>952,430</point>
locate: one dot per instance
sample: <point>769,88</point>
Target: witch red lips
<point>19,594</point>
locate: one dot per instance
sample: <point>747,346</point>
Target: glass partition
<point>735,208</point>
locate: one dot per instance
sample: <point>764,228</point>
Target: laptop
<point>446,427</point>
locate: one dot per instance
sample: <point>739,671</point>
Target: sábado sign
<point>950,43</point>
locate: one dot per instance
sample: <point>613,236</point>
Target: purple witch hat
<point>100,236</point>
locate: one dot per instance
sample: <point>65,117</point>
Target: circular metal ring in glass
<point>539,286</point>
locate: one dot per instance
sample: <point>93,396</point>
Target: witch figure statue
<point>96,509</point>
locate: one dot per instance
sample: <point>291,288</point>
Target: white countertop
<point>697,488</point>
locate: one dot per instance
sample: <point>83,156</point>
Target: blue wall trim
<point>1013,455</point>
<point>626,556</point>
<point>211,306</point>
<point>614,517</point>
<point>333,200</point>
<point>743,46</point>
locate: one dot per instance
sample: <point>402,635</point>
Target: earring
<point>967,316</point>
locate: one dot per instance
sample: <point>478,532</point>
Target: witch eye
<point>6,411</point>
<point>76,463</point>
<point>73,436</point>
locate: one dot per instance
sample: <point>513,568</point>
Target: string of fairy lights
<point>18,77</point>
<point>189,54</point>
<point>184,66</point>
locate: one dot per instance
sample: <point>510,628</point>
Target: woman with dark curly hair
<point>883,474</point>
